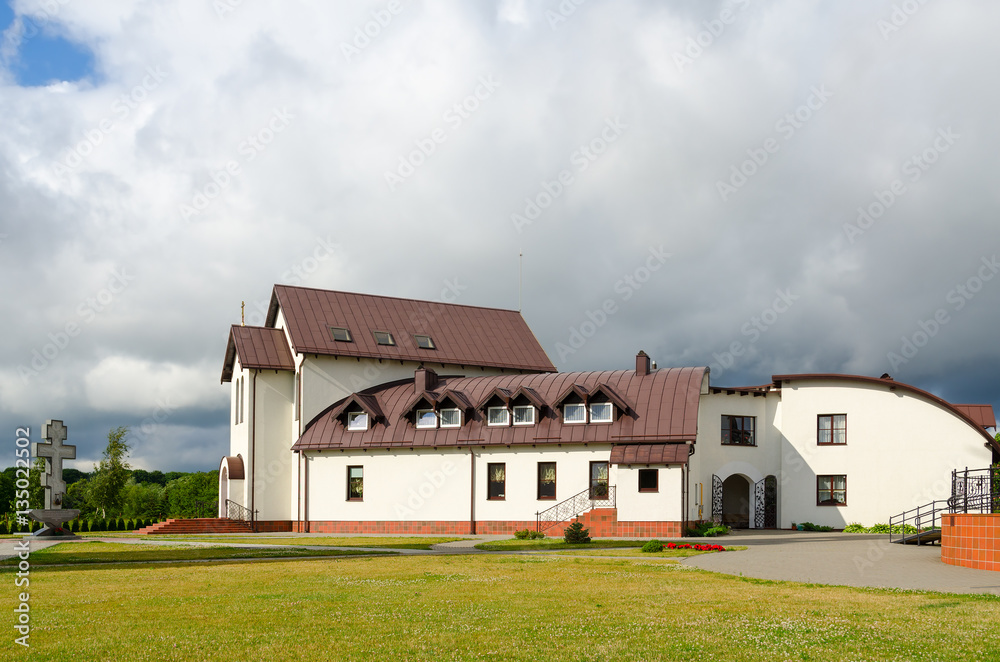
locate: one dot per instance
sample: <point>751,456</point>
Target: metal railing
<point>239,513</point>
<point>972,491</point>
<point>601,496</point>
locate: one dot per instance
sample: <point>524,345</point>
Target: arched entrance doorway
<point>223,490</point>
<point>736,502</point>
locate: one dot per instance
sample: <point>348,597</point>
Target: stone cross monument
<point>54,451</point>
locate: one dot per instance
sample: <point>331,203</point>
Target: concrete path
<point>844,559</point>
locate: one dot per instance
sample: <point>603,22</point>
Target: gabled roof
<point>610,394</point>
<point>367,403</point>
<point>892,385</point>
<point>664,409</point>
<point>501,393</point>
<point>573,389</point>
<point>456,397</point>
<point>257,347</point>
<point>462,335</point>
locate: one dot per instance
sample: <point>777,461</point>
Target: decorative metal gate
<point>770,502</point>
<point>716,499</point>
<point>766,503</point>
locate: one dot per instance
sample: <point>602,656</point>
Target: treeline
<point>145,494</point>
<point>115,491</point>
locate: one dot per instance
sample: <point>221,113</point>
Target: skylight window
<point>424,342</point>
<point>384,338</point>
<point>341,334</point>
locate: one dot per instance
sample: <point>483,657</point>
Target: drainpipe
<point>305,493</point>
<point>472,491</point>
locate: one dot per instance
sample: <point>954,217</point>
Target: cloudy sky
<point>761,186</point>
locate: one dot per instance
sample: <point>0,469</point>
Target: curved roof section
<point>258,347</point>
<point>959,411</point>
<point>462,335</point>
<point>663,408</point>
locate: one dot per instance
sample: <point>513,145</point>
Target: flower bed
<point>657,546</point>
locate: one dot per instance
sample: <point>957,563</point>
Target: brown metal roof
<point>234,467</point>
<point>663,408</point>
<point>258,347</point>
<point>892,384</point>
<point>649,454</point>
<point>462,335</point>
<point>981,414</point>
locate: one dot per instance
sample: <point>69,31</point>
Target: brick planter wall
<point>602,522</point>
<point>972,541</point>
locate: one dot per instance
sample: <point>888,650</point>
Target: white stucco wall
<point>271,478</point>
<point>899,454</point>
<point>712,457</point>
<point>661,506</point>
<point>435,485</point>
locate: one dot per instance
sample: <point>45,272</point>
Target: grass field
<point>488,608</point>
<point>383,542</point>
<point>103,552</point>
<point>545,544</point>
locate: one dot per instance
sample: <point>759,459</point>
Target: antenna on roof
<point>520,260</point>
<point>243,313</point>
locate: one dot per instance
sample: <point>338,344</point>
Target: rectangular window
<point>739,430</point>
<point>384,338</point>
<point>357,420</point>
<point>546,481</point>
<point>497,416</point>
<point>524,415</point>
<point>426,418</point>
<point>831,490</point>
<point>649,480</point>
<point>236,402</point>
<point>295,397</point>
<point>424,342</point>
<point>601,412</point>
<point>340,334</point>
<point>598,480</point>
<point>451,418</point>
<point>574,413</point>
<point>832,429</point>
<point>496,474</point>
<point>355,483</point>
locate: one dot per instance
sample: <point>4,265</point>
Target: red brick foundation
<point>972,541</point>
<point>274,526</point>
<point>602,523</point>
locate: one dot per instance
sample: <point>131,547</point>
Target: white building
<point>357,413</point>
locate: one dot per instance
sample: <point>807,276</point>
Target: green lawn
<point>489,608</point>
<point>665,554</point>
<point>386,542</point>
<point>103,552</point>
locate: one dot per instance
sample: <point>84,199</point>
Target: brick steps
<point>195,525</point>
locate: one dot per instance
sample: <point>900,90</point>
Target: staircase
<point>972,490</point>
<point>602,497</point>
<point>196,525</point>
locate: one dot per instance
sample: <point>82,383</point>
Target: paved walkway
<point>844,559</point>
<point>811,557</point>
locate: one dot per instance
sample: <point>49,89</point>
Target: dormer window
<point>384,338</point>
<point>426,418</point>
<point>451,418</point>
<point>524,415</point>
<point>601,412</point>
<point>340,334</point>
<point>424,342</point>
<point>574,412</point>
<point>497,416</point>
<point>357,420</point>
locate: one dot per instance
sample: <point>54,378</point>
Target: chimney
<point>642,363</point>
<point>424,379</point>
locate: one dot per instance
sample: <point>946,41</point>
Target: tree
<point>575,533</point>
<point>145,500</point>
<point>142,476</point>
<point>193,495</point>
<point>110,476</point>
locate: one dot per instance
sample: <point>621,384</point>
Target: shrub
<point>522,534</point>
<point>536,535</point>
<point>653,546</point>
<point>809,526</point>
<point>708,530</point>
<point>697,547</point>
<point>575,533</point>
<point>854,527</point>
